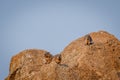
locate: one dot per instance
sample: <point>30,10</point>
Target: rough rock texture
<point>98,61</point>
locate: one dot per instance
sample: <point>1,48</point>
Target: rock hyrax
<point>57,58</point>
<point>48,57</point>
<point>88,39</point>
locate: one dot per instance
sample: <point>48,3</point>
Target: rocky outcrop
<point>78,61</point>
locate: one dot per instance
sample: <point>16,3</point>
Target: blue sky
<point>51,24</point>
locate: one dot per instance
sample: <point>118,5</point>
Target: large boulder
<point>97,61</point>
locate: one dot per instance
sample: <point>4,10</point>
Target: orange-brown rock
<point>97,61</point>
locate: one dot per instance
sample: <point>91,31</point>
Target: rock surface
<point>98,61</point>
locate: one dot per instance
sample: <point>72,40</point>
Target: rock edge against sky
<point>99,60</point>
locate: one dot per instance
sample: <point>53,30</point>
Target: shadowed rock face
<point>98,61</point>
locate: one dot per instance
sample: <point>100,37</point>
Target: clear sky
<point>51,24</point>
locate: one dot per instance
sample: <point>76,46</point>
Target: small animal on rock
<point>48,57</point>
<point>57,58</point>
<point>88,40</point>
